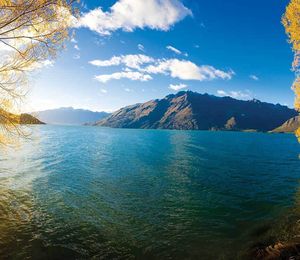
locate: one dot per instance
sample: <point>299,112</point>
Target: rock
<point>289,126</point>
<point>277,251</point>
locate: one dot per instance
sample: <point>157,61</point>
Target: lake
<point>83,192</point>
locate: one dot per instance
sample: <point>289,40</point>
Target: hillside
<point>23,119</point>
<point>26,119</point>
<point>194,111</point>
<point>289,126</point>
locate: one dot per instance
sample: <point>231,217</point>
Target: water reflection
<point>92,192</point>
<point>19,169</point>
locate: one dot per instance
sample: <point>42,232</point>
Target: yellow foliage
<point>298,134</point>
<point>31,34</point>
<point>291,22</point>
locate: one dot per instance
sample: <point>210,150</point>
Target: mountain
<point>69,116</point>
<point>27,119</point>
<point>23,119</point>
<point>289,126</point>
<point>194,111</point>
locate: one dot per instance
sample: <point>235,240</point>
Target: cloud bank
<point>128,15</point>
<point>146,66</point>
<point>130,61</point>
<point>123,75</point>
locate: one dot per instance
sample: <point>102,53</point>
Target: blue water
<point>82,192</point>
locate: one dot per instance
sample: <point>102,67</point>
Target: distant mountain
<point>23,119</point>
<point>69,116</point>
<point>289,126</point>
<point>194,111</point>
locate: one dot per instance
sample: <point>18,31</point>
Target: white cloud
<point>76,47</point>
<point>127,90</point>
<point>254,77</point>
<point>114,61</point>
<point>187,70</point>
<point>182,69</point>
<point>130,61</point>
<point>129,15</point>
<point>173,49</point>
<point>141,47</point>
<point>132,75</point>
<point>177,87</point>
<point>104,91</point>
<point>73,40</point>
<point>236,94</point>
<point>222,93</point>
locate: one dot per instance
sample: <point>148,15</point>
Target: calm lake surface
<point>88,192</point>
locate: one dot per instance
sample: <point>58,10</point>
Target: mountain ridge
<point>189,110</point>
<point>290,126</point>
<point>69,116</point>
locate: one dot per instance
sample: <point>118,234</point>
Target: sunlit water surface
<point>82,192</point>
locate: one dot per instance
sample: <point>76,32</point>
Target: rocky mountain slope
<point>194,111</point>
<point>289,126</point>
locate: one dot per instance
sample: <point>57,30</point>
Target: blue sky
<point>236,48</point>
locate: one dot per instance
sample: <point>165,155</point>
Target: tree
<point>291,22</point>
<point>32,32</point>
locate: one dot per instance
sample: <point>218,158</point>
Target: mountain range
<point>193,111</point>
<point>69,116</point>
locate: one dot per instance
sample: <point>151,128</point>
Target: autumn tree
<point>32,32</point>
<point>291,22</point>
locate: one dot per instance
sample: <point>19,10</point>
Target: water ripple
<point>84,192</point>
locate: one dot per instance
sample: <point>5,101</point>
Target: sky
<point>131,51</point>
